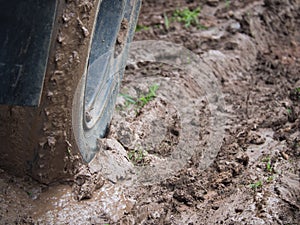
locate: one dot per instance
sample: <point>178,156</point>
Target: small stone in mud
<point>85,31</point>
<point>49,94</point>
<point>61,38</point>
<point>156,19</point>
<point>231,13</point>
<point>234,27</point>
<point>284,155</point>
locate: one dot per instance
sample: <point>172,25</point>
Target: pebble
<point>157,19</point>
<point>234,27</point>
<point>284,155</point>
<point>85,31</point>
<point>231,13</point>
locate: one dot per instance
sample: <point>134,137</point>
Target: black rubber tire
<point>45,142</point>
<point>114,30</point>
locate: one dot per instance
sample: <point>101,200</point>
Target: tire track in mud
<point>200,80</point>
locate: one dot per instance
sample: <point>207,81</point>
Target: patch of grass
<point>145,99</point>
<point>141,27</point>
<point>187,16</point>
<point>128,100</point>
<point>142,100</point>
<point>268,162</point>
<point>256,185</point>
<point>137,156</point>
<point>269,166</point>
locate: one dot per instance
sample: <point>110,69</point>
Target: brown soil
<point>253,49</point>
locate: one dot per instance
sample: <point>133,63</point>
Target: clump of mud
<point>157,126</point>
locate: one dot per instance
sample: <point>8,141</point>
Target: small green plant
<point>227,3</point>
<point>269,166</point>
<point>141,27</point>
<point>29,193</point>
<point>142,100</point>
<point>167,21</point>
<point>137,156</point>
<point>256,185</point>
<point>69,152</point>
<point>289,111</point>
<point>145,99</point>
<point>268,162</point>
<point>297,89</point>
<point>128,100</point>
<point>187,16</point>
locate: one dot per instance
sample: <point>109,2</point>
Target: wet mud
<point>253,48</point>
<point>42,137</point>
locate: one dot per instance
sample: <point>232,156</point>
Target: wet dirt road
<point>253,49</point>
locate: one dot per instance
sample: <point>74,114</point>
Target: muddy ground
<point>253,49</point>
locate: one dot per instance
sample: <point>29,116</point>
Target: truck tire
<point>89,46</point>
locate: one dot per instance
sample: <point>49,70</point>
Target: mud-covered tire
<point>46,141</point>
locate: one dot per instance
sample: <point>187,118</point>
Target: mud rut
<point>253,49</point>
